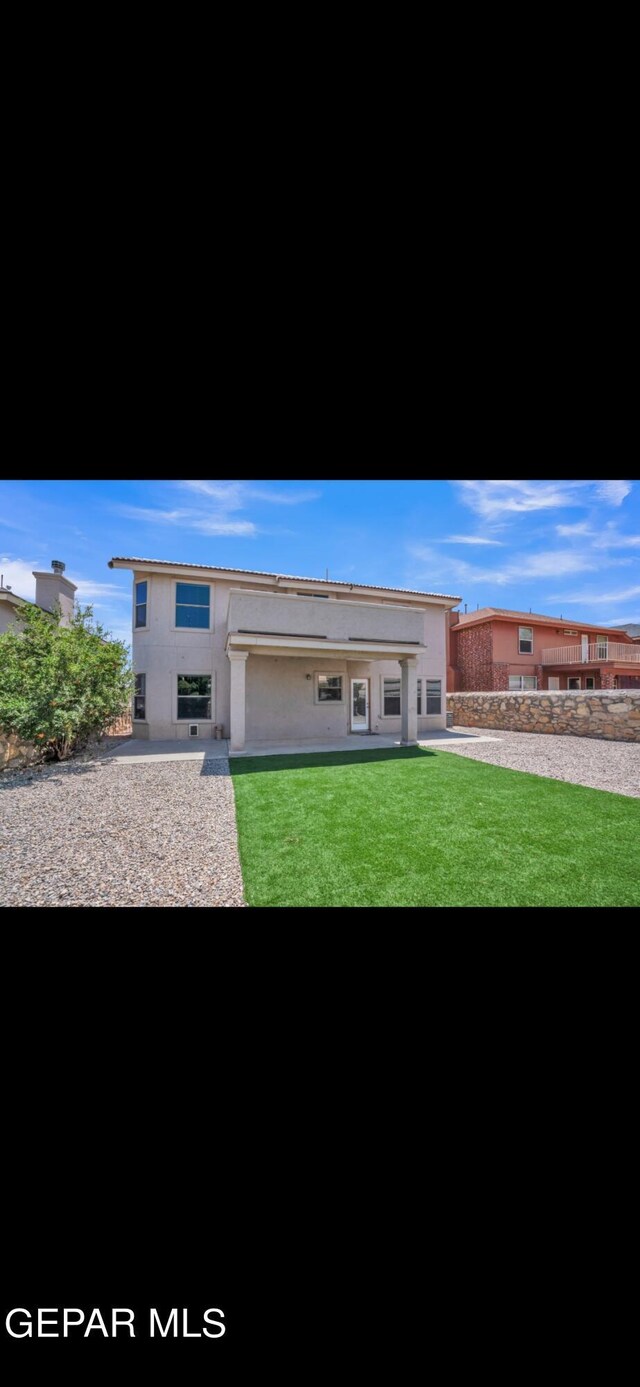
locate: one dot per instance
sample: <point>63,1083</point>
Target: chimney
<point>53,588</point>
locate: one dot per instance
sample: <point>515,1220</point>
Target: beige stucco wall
<point>7,617</point>
<point>280,700</point>
<point>54,590</point>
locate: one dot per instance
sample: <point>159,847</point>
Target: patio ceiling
<point>305,646</point>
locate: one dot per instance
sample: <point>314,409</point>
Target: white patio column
<point>238,661</point>
<point>409,701</point>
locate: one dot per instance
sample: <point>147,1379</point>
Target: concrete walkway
<point>358,742</point>
<point>138,750</point>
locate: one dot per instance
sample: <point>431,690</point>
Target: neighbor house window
<point>194,696</point>
<point>329,688</point>
<point>192,605</point>
<point>312,594</point>
<point>589,682</point>
<point>141,604</point>
<point>434,696</point>
<point>140,698</point>
<point>391,698</point>
<point>419,704</point>
<point>573,683</point>
<point>523,681</point>
<point>602,651</point>
<point>525,640</point>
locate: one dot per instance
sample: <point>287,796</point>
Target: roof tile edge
<point>289,577</point>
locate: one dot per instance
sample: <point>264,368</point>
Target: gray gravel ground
<point>581,760</point>
<point>106,833</point>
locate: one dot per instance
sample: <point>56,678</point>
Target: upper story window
<point>525,640</point>
<point>193,602</point>
<point>141,604</point>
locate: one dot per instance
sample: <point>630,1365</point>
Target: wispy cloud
<point>18,575</point>
<point>613,492</point>
<point>88,590</point>
<point>582,527</point>
<point>547,564</point>
<point>284,498</point>
<point>217,505</point>
<point>493,498</point>
<point>471,539</point>
<point>206,523</point>
<point>234,495</point>
<point>620,596</point>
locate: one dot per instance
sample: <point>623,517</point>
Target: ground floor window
<point>419,704</point>
<point>194,696</point>
<point>573,682</point>
<point>434,696</point>
<point>589,682</point>
<point>523,681</point>
<point>140,698</point>
<point>329,688</point>
<point>391,698</point>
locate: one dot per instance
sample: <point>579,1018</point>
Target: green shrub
<point>61,685</point>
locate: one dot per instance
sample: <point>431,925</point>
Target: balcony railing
<point>592,654</point>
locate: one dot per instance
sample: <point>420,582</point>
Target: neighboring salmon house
<point>496,648</point>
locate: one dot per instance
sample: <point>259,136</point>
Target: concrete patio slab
<point>138,750</point>
<point>357,743</point>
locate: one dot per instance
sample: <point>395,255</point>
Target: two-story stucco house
<point>274,658</point>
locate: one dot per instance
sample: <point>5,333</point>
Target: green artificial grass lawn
<point>410,826</point>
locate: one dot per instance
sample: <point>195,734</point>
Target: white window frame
<point>137,604</point>
<point>527,640</point>
<point>577,679</point>
<point>197,673</point>
<point>193,630</point>
<point>589,681</point>
<point>140,674</point>
<point>520,688</point>
<point>387,677</point>
<point>319,674</point>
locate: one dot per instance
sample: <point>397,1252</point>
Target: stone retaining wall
<point>16,753</point>
<point>612,714</point>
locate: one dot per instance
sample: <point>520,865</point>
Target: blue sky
<point>558,547</point>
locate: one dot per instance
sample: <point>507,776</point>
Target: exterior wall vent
<point>193,729</point>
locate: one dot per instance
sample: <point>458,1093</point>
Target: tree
<point>60,686</point>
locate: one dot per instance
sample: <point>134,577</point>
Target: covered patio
<point>283,700</point>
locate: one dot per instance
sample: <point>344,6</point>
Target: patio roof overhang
<point>268,644</point>
<point>593,667</point>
